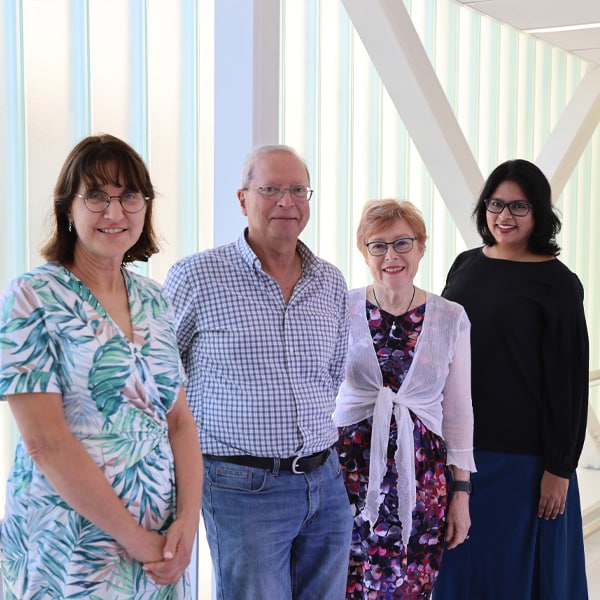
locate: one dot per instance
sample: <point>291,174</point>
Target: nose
<point>115,205</point>
<point>390,253</point>
<point>286,198</point>
<point>507,209</point>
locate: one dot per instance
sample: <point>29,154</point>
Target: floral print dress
<point>382,564</point>
<point>56,337</point>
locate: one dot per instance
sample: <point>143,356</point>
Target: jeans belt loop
<point>276,465</point>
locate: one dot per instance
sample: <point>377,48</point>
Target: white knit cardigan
<point>437,389</point>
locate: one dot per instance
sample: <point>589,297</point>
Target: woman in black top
<point>529,386</point>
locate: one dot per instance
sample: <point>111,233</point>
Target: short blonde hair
<point>381,214</point>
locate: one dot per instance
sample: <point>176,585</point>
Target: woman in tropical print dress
<point>405,414</point>
<point>104,495</point>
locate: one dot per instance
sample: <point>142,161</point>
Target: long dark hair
<point>537,190</point>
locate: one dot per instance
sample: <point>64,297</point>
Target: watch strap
<point>462,486</point>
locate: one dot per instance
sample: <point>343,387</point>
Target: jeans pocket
<point>237,477</point>
<point>333,463</point>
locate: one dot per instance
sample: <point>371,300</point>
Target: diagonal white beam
<point>389,36</point>
<point>571,135</point>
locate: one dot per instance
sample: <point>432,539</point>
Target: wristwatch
<point>462,486</point>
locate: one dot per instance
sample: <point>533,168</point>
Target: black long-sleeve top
<point>530,356</point>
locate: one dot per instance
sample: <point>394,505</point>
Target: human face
<point>105,236</point>
<point>392,270</point>
<point>275,222</point>
<point>510,232</point>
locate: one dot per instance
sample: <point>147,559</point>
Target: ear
<point>241,194</point>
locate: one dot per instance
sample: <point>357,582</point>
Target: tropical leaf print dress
<point>56,337</point>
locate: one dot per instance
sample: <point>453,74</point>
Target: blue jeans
<point>277,535</point>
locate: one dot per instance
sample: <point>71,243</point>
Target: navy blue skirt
<point>511,554</point>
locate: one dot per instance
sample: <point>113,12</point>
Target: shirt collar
<point>310,263</point>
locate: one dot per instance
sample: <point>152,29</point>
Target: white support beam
<point>246,99</point>
<point>394,46</point>
<point>572,133</point>
<point>13,252</point>
<point>266,69</point>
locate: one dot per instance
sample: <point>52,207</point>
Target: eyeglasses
<point>276,192</point>
<point>97,201</point>
<point>518,208</point>
<point>400,246</point>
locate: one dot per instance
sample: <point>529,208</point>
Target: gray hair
<point>260,151</point>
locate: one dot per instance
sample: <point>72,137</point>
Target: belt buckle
<point>295,466</point>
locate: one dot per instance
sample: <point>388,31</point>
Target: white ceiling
<point>540,14</point>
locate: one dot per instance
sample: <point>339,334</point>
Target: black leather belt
<point>295,464</point>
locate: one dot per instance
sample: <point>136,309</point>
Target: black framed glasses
<point>97,201</point>
<point>400,246</point>
<point>301,193</point>
<point>517,208</point>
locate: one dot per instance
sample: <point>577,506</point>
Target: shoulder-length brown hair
<point>91,163</point>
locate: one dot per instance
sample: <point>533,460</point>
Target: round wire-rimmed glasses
<point>97,201</point>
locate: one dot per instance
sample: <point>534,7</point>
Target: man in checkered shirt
<point>262,330</point>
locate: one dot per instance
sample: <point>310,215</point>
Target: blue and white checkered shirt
<point>262,375</point>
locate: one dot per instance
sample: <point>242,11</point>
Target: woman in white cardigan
<point>405,415</point>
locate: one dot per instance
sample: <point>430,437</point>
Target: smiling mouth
<point>112,230</point>
<point>393,269</point>
<point>506,227</point>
